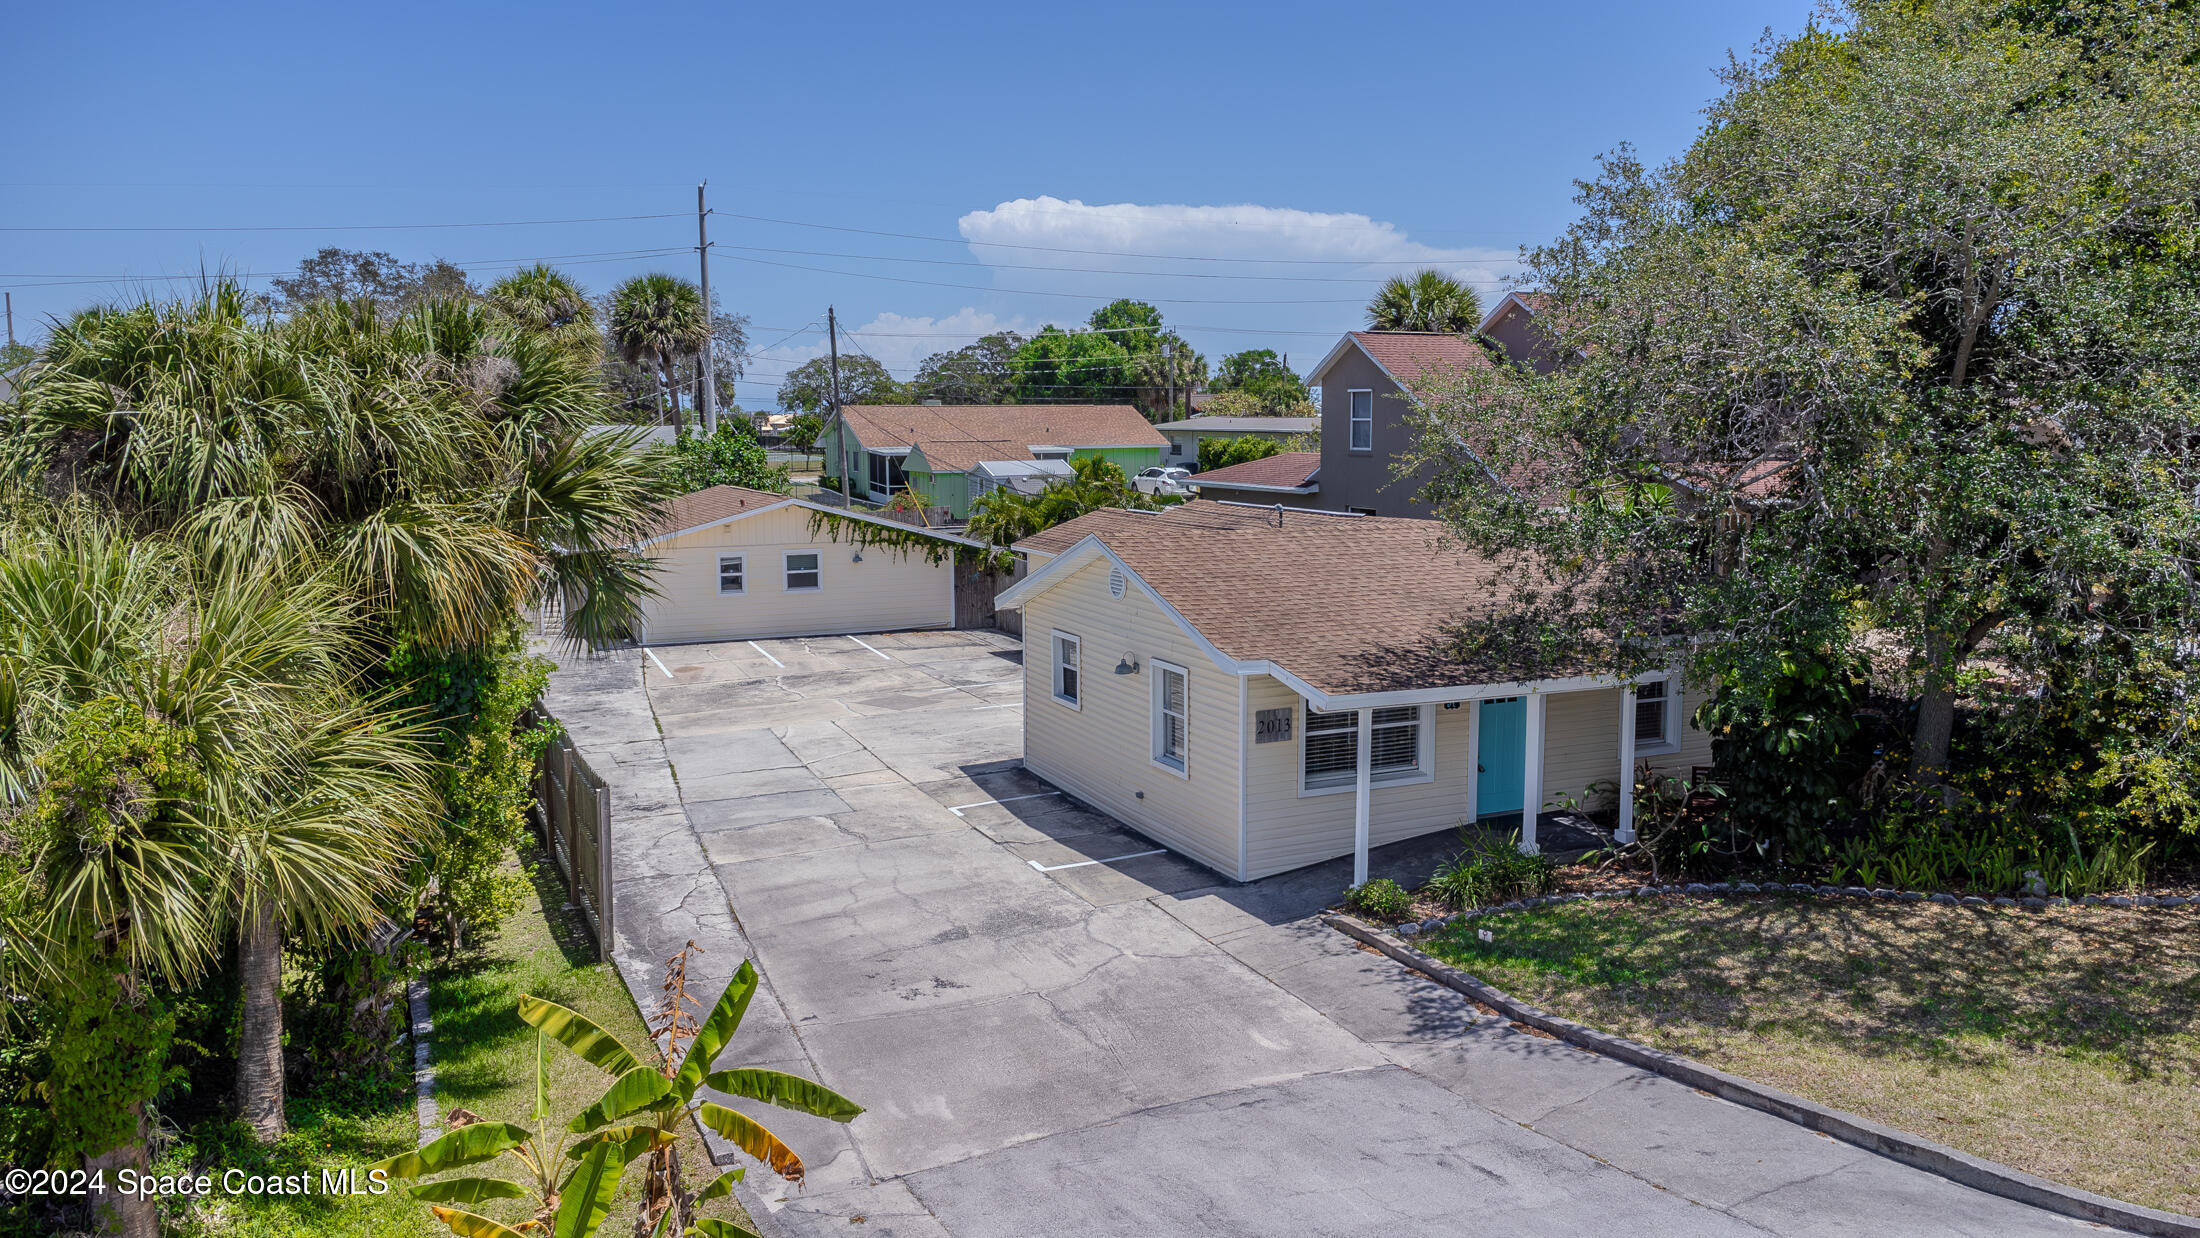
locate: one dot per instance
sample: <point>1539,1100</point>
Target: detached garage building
<point>736,564</point>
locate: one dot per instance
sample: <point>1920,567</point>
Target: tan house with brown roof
<point>1262,691</point>
<point>935,449</point>
<point>738,564</point>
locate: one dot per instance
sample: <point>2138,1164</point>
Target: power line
<point>1103,253</point>
<point>493,223</point>
<point>1018,266</point>
<point>471,265</point>
<point>1032,292</point>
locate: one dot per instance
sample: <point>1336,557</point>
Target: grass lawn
<point>2064,1043</point>
<point>485,1062</point>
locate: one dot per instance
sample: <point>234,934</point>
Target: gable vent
<point>1115,582</point>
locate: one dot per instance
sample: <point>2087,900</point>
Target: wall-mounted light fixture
<point>859,557</point>
<point>1128,666</point>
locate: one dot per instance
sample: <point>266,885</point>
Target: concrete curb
<point>1911,1150</point>
<point>416,1004</point>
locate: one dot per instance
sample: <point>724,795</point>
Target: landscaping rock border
<point>1912,1150</point>
<point>1414,928</point>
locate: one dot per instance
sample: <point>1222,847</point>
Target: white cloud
<point>1117,230</point>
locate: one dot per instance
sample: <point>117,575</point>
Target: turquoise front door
<point>1503,752</point>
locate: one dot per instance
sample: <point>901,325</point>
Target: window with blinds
<point>1171,716</point>
<point>1650,714</point>
<point>1332,747</point>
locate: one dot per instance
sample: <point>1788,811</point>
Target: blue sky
<point>1328,145</point>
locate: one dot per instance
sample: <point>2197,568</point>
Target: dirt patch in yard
<point>2065,1043</point>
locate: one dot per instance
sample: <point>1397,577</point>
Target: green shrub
<point>1491,871</point>
<point>1380,899</point>
<point>731,457</point>
<point>1785,738</point>
<point>1912,850</point>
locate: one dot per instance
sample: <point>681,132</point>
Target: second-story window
<point>1363,420</point>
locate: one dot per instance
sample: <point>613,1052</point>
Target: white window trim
<point>1054,670</point>
<point>786,571</point>
<point>1349,419</point>
<point>1425,773</point>
<point>1153,746</point>
<point>741,563</point>
<point>1674,719</point>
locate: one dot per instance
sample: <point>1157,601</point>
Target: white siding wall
<point>888,591</point>
<point>1103,752</point>
<point>1581,747</point>
<point>1286,830</point>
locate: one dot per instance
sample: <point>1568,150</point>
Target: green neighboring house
<point>937,450</point>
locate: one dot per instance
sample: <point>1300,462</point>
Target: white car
<point>1163,479</point>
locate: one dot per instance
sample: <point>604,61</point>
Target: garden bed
<point>484,1060</point>
<point>2064,1043</point>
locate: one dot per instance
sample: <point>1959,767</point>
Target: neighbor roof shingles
<point>967,432</point>
<point>1408,355</point>
<point>1285,468</point>
<point>702,507</point>
<point>1350,605</point>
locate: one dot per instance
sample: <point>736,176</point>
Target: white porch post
<point>1531,781</point>
<point>1474,759</point>
<point>1626,829</point>
<point>1364,780</point>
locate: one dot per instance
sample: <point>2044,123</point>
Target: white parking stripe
<point>957,809</point>
<point>660,665</point>
<point>1055,868</point>
<point>767,653</point>
<point>859,641</point>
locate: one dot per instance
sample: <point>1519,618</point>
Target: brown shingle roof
<point>1407,355</point>
<point>955,436</point>
<point>1193,515</point>
<point>702,507</point>
<point>1285,468</point>
<point>1347,604</point>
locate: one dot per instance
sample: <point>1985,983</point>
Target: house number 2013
<point>1271,726</point>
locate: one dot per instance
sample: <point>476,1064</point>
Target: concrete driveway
<point>1057,1030</point>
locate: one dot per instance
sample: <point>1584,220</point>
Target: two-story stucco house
<point>1367,385</point>
<point>1261,690</point>
<point>936,450</point>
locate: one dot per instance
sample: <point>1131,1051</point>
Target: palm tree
<point>444,457</point>
<point>542,300</point>
<point>659,318</point>
<point>1425,301</point>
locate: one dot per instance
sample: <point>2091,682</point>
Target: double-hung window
<point>1067,653</point>
<point>802,571</point>
<point>1363,420</point>
<point>1332,747</point>
<point>731,574</point>
<point>1655,726</point>
<point>1171,716</point>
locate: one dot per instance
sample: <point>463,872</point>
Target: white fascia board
<point>1246,485</point>
<point>712,524</point>
<point>809,506</point>
<point>1497,311</point>
<point>1459,692</point>
<point>1313,376</point>
<point>1085,551</point>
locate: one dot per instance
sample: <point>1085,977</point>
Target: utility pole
<point>11,320</point>
<point>840,423</point>
<point>1168,360</point>
<point>710,332</point>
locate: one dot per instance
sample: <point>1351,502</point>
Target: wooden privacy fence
<point>573,810</point>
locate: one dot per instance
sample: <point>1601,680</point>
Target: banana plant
<point>644,1104</point>
<point>573,1205</point>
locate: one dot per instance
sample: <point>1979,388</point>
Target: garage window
<point>731,574</point>
<point>802,570</point>
<point>1171,717</point>
<point>1068,653</point>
